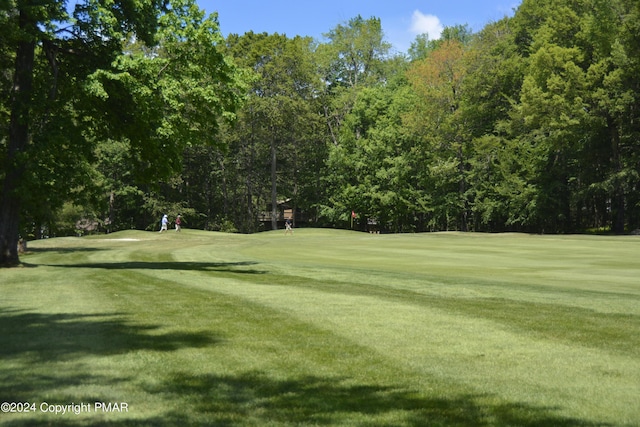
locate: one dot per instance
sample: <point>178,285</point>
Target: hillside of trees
<point>113,116</point>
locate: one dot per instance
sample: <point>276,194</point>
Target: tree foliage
<point>122,111</point>
<point>78,80</point>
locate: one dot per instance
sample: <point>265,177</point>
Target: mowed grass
<point>324,327</point>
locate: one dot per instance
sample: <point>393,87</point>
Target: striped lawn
<point>324,327</point>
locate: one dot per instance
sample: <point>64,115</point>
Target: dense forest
<point>115,113</point>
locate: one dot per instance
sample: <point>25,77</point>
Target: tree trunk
<point>462,188</point>
<point>294,206</point>
<point>18,139</point>
<point>274,188</point>
<point>112,210</point>
<point>225,190</point>
<point>249,220</point>
<point>617,198</point>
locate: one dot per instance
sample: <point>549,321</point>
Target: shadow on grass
<point>164,265</point>
<point>55,250</point>
<point>52,337</point>
<point>253,398</point>
<point>256,399</point>
<point>64,250</point>
<point>30,342</point>
<point>17,387</point>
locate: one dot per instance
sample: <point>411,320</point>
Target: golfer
<point>164,223</point>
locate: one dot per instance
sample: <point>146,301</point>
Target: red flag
<point>353,214</point>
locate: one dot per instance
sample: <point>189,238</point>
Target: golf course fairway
<point>322,327</point>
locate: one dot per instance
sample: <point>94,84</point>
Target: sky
<point>402,20</point>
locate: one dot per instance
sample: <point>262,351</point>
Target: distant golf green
<point>322,327</point>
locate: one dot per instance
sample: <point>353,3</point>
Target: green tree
<point>98,91</point>
<point>44,33</point>
<point>422,46</point>
<point>178,91</point>
<point>377,170</point>
<point>499,171</point>
<point>610,33</point>
<point>577,111</point>
<point>275,133</point>
<point>438,81</point>
<point>352,58</point>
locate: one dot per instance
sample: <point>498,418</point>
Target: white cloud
<point>430,24</point>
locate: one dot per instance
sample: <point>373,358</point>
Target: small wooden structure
<point>284,211</point>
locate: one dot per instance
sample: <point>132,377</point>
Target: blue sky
<point>401,20</point>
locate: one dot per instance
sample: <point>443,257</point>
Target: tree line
<point>114,113</point>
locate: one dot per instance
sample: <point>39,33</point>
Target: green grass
<point>325,327</point>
